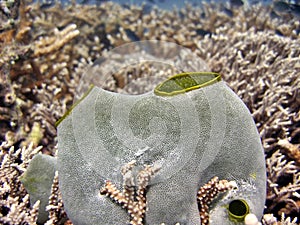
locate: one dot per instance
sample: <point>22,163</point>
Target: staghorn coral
<point>291,150</point>
<point>31,120</point>
<point>270,219</point>
<point>287,194</point>
<point>47,45</point>
<point>18,212</point>
<point>13,31</point>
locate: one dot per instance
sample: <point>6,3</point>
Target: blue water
<point>287,6</point>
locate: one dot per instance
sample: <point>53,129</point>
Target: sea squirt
<point>193,135</point>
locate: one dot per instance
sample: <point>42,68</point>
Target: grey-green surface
<point>194,136</point>
<point>38,179</point>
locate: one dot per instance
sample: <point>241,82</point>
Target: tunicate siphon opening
<point>185,82</point>
<point>237,210</point>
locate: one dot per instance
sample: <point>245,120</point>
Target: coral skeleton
<point>277,167</point>
<point>17,215</point>
<point>208,192</point>
<point>292,150</point>
<point>134,201</point>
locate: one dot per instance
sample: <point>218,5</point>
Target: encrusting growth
<point>134,201</point>
<point>208,192</point>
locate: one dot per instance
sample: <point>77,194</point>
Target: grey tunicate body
<point>194,136</point>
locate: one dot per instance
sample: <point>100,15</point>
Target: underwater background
<point>47,46</point>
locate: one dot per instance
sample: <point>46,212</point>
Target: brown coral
<point>55,206</point>
<point>133,201</point>
<point>208,192</point>
<point>46,45</point>
<point>279,191</point>
<point>292,150</point>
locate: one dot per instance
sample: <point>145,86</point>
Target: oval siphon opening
<point>184,82</point>
<point>237,210</point>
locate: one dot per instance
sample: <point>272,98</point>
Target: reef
<point>45,50</point>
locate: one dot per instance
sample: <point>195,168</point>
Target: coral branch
<point>47,45</point>
<point>134,201</point>
<point>292,150</point>
<point>55,206</point>
<point>208,192</point>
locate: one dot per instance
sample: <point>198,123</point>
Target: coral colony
<point>45,49</point>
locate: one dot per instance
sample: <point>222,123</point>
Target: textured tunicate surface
<point>194,136</point>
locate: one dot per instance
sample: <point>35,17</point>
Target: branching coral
<point>27,74</point>
<point>46,45</point>
<point>17,214</point>
<point>292,150</point>
<point>279,168</point>
<point>134,201</point>
<point>13,197</point>
<point>14,27</point>
<point>269,219</point>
